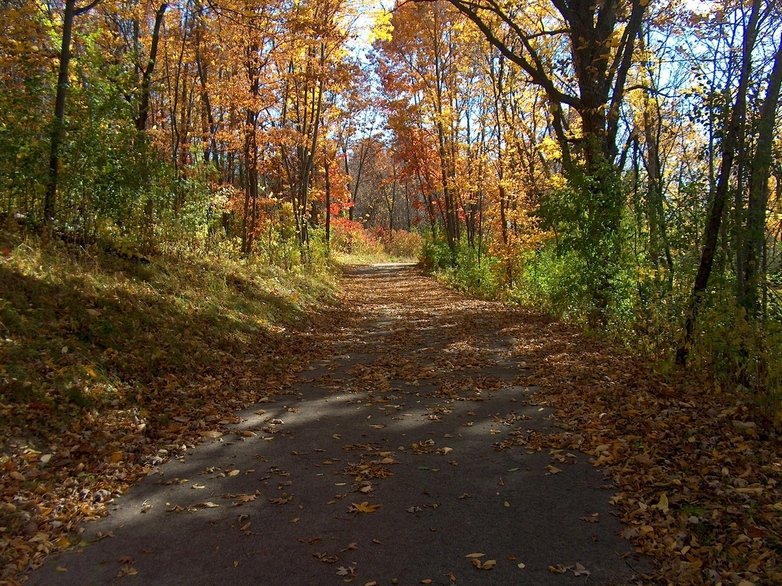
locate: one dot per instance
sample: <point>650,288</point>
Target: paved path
<point>413,447</point>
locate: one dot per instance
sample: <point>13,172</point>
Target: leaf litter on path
<point>698,484</point>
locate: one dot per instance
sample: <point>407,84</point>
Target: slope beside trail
<point>412,454</point>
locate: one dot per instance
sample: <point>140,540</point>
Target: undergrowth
<point>645,315</point>
<point>352,243</point>
<point>85,326</point>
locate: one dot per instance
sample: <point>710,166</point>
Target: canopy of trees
<point>616,162</point>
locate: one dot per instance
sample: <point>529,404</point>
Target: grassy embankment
<point>110,363</point>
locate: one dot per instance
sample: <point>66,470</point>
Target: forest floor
<point>437,439</point>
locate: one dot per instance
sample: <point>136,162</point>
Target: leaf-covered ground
<point>698,482</point>
<point>109,365</point>
<point>433,385</point>
<point>410,453</point>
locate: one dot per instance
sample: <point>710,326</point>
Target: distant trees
<point>617,161</point>
<point>185,120</point>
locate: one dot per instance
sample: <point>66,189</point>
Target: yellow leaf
<point>63,542</point>
<point>364,507</point>
<point>663,504</point>
<point>116,457</point>
<point>475,555</point>
<point>487,565</point>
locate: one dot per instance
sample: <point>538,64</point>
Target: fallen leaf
<point>281,500</point>
<point>244,498</point>
<point>343,571</point>
<point>580,570</point>
<point>487,565</point>
<point>127,570</point>
<point>364,507</point>
<point>662,504</point>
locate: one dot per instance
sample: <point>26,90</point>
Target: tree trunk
<point>717,208</point>
<point>327,181</point>
<point>755,233</point>
<point>58,124</point>
<point>146,80</point>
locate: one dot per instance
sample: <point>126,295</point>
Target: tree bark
<point>58,124</point>
<point>755,232</point>
<point>717,208</point>
<point>146,80</point>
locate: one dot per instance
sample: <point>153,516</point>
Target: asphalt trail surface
<point>412,455</point>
